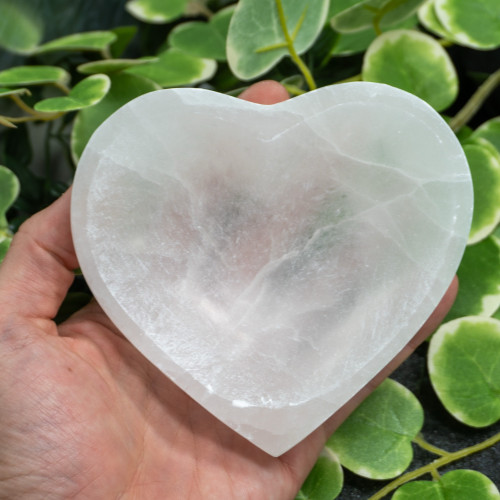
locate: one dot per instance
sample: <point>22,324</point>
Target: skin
<point>84,415</point>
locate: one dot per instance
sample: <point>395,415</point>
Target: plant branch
<point>475,102</point>
<point>6,122</point>
<point>22,105</point>
<point>62,87</point>
<point>44,117</point>
<point>420,441</point>
<point>435,465</point>
<point>293,89</point>
<point>198,7</point>
<point>355,78</point>
<point>291,48</point>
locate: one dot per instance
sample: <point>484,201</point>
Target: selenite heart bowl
<point>271,260</point>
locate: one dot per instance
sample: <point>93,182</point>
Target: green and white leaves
<point>33,75</point>
<point>489,131</point>
<point>464,369</point>
<point>473,24</point>
<point>456,485</point>
<point>205,40</point>
<point>479,278</point>
<point>375,440</point>
<point>175,68</point>
<point>93,41</point>
<point>9,92</point>
<point>414,62</point>
<point>20,28</point>
<point>484,163</point>
<point>428,17</point>
<point>256,39</point>
<point>357,15</point>
<point>113,65</point>
<point>123,89</point>
<point>156,11</point>
<point>86,93</point>
<point>325,480</point>
<point>9,191</point>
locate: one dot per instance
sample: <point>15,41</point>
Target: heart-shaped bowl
<point>271,260</point>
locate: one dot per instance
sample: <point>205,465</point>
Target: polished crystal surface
<point>271,259</point>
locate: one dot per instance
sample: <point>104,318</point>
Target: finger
<point>38,268</point>
<point>265,92</point>
<point>427,329</point>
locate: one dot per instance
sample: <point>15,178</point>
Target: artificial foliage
<point>56,87</point>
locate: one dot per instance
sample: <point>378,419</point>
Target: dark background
<point>61,17</point>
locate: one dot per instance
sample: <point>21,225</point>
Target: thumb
<point>38,268</point>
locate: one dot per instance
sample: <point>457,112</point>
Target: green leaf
<point>338,6</point>
<point>108,66</point>
<point>414,62</point>
<point>256,41</point>
<point>368,13</point>
<point>490,131</point>
<point>484,164</point>
<point>479,278</point>
<point>20,28</point>
<point>33,75</point>
<point>428,17</point>
<point>464,369</point>
<point>86,93</point>
<point>175,68</point>
<point>156,11</point>
<point>205,40</point>
<point>325,480</point>
<point>123,89</point>
<point>496,315</point>
<point>9,191</point>
<point>359,41</point>
<point>474,24</point>
<point>124,35</point>
<point>375,440</point>
<point>8,92</point>
<point>4,246</point>
<point>454,485</point>
<point>93,41</point>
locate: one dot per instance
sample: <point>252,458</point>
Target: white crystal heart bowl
<point>270,260</point>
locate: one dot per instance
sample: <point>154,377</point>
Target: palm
<point>84,415</point>
<point>113,425</point>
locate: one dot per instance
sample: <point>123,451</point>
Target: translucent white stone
<point>271,259</point>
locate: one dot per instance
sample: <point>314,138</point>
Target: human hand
<point>84,415</point>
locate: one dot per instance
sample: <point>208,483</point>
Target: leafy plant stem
<point>45,117</point>
<point>445,43</point>
<point>293,89</point>
<point>106,53</point>
<point>420,441</point>
<point>22,105</point>
<point>435,475</point>
<point>291,48</point>
<point>355,78</point>
<point>6,123</point>
<point>197,7</point>
<point>475,102</point>
<point>435,465</point>
<point>63,88</point>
